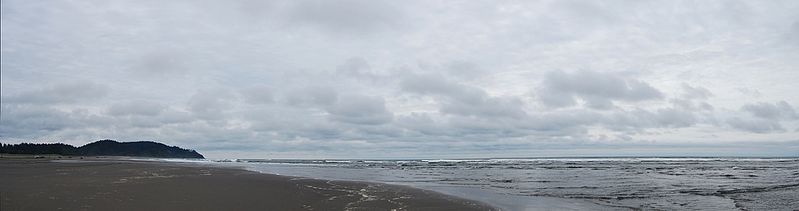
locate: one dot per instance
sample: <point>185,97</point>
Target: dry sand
<point>104,184</point>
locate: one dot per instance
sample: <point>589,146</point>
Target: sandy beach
<point>107,184</point>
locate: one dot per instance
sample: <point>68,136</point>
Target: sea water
<point>576,183</point>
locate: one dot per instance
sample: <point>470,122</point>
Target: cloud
<point>598,90</point>
<point>422,124</point>
<point>349,16</point>
<point>70,92</point>
<point>792,33</point>
<point>359,109</point>
<point>311,96</point>
<point>30,121</point>
<point>258,95</point>
<point>367,78</point>
<point>667,117</point>
<point>695,92</point>
<point>173,116</point>
<point>458,99</point>
<point>440,86</point>
<point>211,104</point>
<point>160,63</point>
<point>763,117</point>
<point>755,125</point>
<point>776,111</point>
<point>488,107</point>
<point>749,92</point>
<point>358,68</point>
<point>24,120</point>
<point>138,107</point>
<point>465,69</point>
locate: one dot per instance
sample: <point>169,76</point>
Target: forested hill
<point>104,148</point>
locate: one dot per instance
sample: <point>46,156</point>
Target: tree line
<point>102,148</point>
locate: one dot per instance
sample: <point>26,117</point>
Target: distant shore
<point>49,183</point>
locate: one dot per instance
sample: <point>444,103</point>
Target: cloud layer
<point>361,78</point>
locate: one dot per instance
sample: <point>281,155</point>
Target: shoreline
<point>496,200</point>
<point>117,184</point>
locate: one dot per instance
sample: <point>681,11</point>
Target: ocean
<point>575,183</point>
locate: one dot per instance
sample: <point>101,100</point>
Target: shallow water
<point>578,184</point>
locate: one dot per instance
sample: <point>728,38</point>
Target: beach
<point>112,184</point>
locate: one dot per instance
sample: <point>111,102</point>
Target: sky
<point>405,79</point>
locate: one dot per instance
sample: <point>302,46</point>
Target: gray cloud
<point>31,121</point>
<point>358,68</point>
<point>775,111</point>
<point>258,95</point>
<point>351,16</point>
<point>358,109</point>
<point>379,78</point>
<point>140,107</point>
<point>69,92</point>
<point>667,117</point>
<point>689,104</point>
<point>755,125</point>
<point>441,86</point>
<point>22,120</point>
<point>459,99</point>
<point>210,104</point>
<point>172,116</point>
<point>160,63</point>
<point>465,69</point>
<point>763,117</point>
<point>311,96</point>
<point>695,92</point>
<point>487,107</point>
<point>598,90</point>
<point>792,33</point>
<point>422,124</point>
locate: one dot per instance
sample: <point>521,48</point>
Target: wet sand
<point>105,184</point>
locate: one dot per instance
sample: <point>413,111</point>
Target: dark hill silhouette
<point>26,148</point>
<point>104,148</point>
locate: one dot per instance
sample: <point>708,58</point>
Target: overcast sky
<point>406,79</point>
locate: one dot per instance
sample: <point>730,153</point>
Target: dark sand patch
<point>40,184</point>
